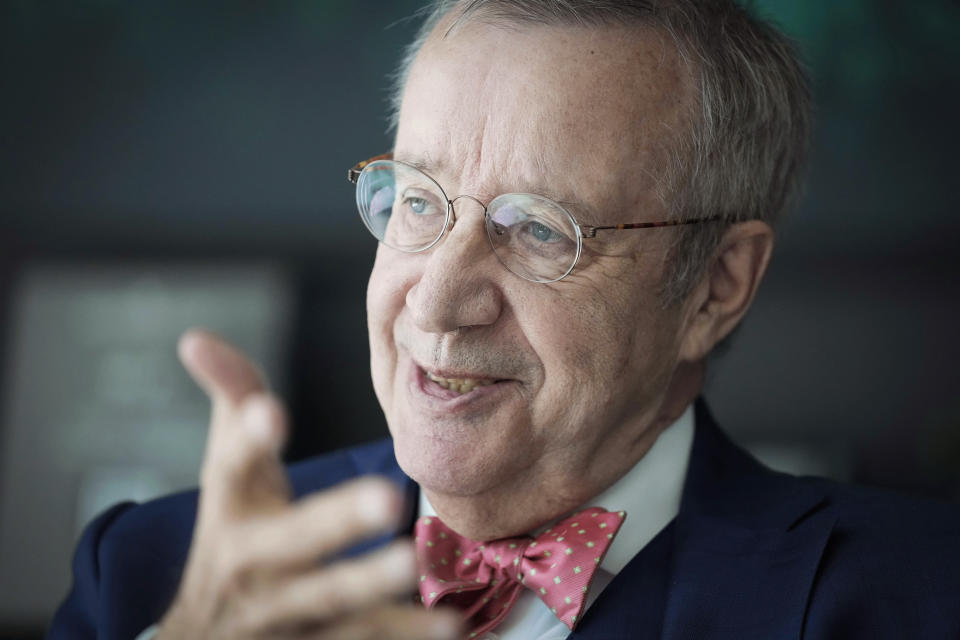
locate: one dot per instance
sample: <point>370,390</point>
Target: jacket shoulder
<point>170,519</point>
<point>891,567</point>
<point>878,512</point>
<point>129,561</point>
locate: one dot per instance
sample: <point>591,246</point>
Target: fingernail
<point>257,418</point>
<point>377,505</point>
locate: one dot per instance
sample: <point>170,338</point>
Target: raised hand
<point>255,568</point>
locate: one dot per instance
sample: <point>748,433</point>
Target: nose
<point>459,285</point>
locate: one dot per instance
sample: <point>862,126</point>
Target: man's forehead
<point>575,114</point>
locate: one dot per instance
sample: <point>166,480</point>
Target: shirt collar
<point>650,492</point>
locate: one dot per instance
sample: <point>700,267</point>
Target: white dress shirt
<point>650,494</point>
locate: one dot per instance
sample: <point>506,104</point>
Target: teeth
<point>460,385</point>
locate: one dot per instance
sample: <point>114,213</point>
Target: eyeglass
<point>532,236</point>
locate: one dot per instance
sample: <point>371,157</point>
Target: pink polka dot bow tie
<point>484,579</point>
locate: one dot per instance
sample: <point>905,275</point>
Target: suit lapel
<point>737,562</point>
<point>748,544</point>
<point>632,605</point>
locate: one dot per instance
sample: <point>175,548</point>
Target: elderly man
<point>577,210</point>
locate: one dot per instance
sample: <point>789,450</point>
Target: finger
<point>242,470</point>
<point>398,623</point>
<point>325,523</point>
<point>221,370</point>
<point>340,589</point>
<point>239,440</point>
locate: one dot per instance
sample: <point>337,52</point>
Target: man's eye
<point>417,205</point>
<point>543,233</point>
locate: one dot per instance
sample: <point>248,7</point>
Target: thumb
<point>220,369</point>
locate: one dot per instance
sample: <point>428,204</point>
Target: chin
<point>443,465</point>
<point>458,464</point>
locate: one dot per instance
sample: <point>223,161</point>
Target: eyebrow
<point>423,163</point>
<point>581,212</point>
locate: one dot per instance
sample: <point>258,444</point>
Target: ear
<point>727,288</point>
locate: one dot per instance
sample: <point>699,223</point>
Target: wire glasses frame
<point>582,231</point>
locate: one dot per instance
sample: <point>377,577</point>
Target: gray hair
<point>744,155</point>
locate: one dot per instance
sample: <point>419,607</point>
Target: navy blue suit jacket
<point>753,554</point>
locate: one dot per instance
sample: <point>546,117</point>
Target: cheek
<point>564,338</point>
<point>597,338</point>
<point>385,298</point>
<point>378,297</point>
<point>596,351</point>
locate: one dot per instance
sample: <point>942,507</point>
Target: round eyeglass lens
<point>401,206</point>
<point>532,236</point>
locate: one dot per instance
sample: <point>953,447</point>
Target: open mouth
<point>459,385</point>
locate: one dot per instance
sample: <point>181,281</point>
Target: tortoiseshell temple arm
<point>591,232</point>
<point>353,174</point>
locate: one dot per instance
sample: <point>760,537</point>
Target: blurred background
<point>171,164</point>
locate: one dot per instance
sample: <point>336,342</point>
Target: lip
<point>432,397</point>
<point>460,375</point>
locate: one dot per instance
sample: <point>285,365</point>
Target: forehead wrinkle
<point>481,127</point>
<point>504,181</point>
<point>525,168</point>
<point>487,175</point>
